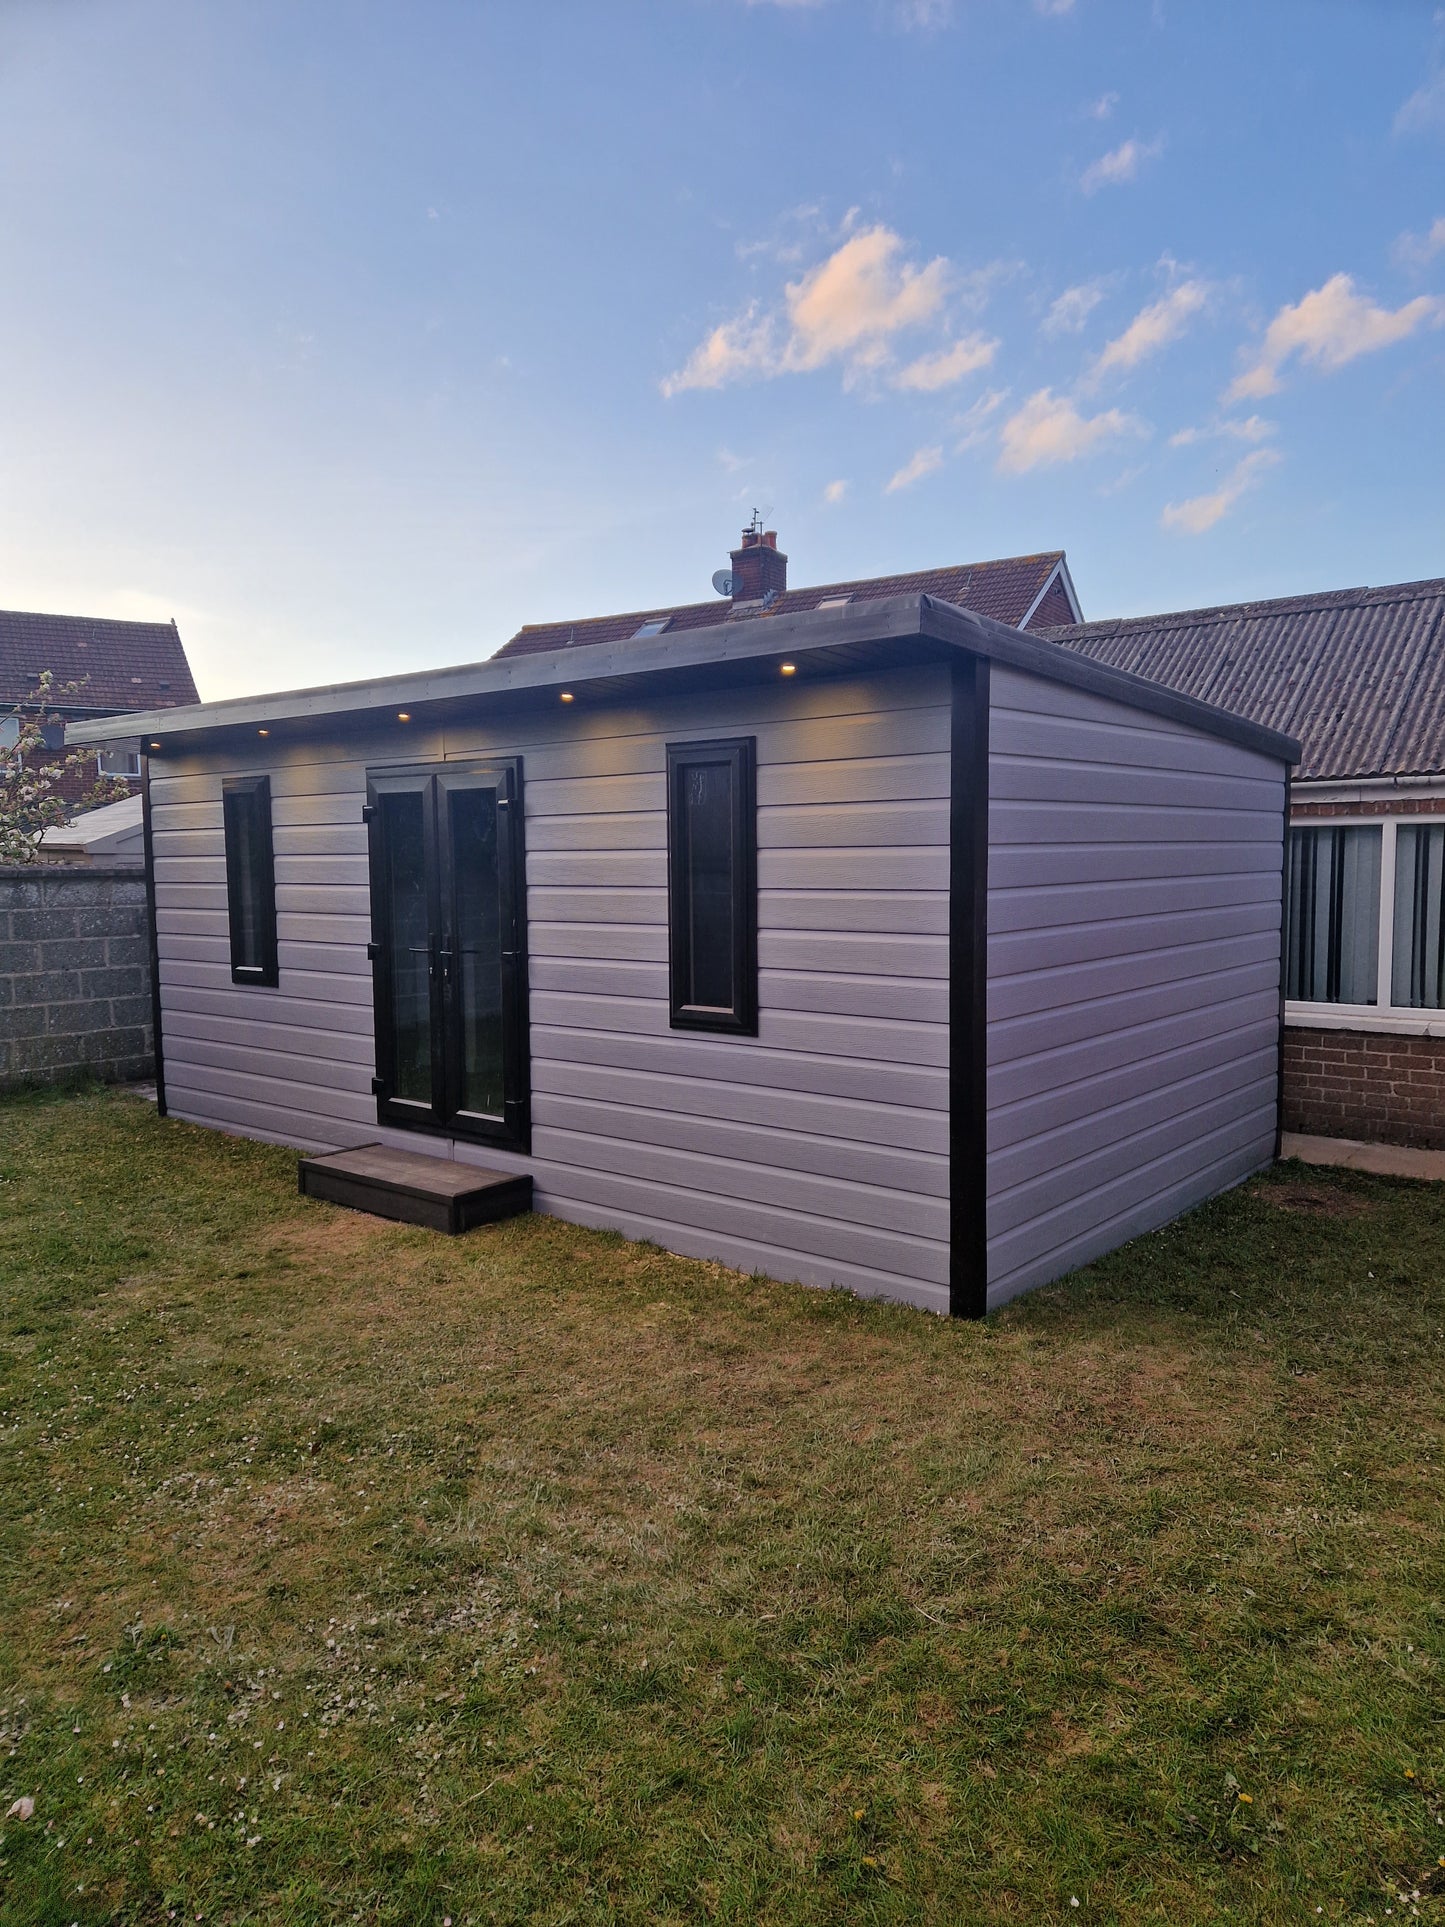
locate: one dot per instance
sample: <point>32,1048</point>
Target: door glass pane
<point>1334,916</point>
<point>1418,977</point>
<point>477,969</point>
<point>403,843</point>
<point>707,793</point>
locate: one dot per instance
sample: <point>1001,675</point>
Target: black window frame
<point>740,1018</point>
<point>266,974</point>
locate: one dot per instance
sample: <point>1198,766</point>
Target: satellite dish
<point>723,582</point>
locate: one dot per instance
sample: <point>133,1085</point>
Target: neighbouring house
<point>1358,676</point>
<point>113,835</point>
<point>851,936</point>
<point>114,667</point>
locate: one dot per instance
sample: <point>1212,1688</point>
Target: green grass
<point>352,1573</point>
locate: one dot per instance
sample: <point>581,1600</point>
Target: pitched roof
<point>1008,590</point>
<point>119,665</point>
<point>1358,675</point>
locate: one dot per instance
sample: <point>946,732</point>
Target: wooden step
<point>416,1189</point>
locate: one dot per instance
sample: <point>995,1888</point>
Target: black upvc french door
<point>448,950</point>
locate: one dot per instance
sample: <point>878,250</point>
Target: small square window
<point>712,885</point>
<point>119,762</point>
<point>835,602</point>
<point>654,626</point>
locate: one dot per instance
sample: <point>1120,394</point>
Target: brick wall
<point>75,982</point>
<point>1364,1084</point>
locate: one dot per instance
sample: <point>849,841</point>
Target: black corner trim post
<point>1283,971</point>
<point>967,988</point>
<point>148,846</point>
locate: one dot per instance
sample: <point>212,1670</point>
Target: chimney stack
<point>759,565</point>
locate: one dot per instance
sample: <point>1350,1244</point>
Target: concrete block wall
<point>1365,1084</point>
<point>75,976</point>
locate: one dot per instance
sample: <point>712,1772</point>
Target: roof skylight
<point>653,626</point>
<point>835,602</point>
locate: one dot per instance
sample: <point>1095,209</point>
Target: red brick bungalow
<point>1358,676</point>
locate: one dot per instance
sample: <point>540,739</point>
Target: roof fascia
<point>1036,657</point>
<point>808,632</point>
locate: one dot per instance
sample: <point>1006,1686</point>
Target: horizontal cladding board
<point>860,870</point>
<point>1085,1243</point>
<point>348,1107</point>
<point>1047,783</point>
<point>915,1000</point>
<point>791,1232</point>
<point>325,959</point>
<point>908,913</point>
<point>1053,1109</point>
<point>268,1007</point>
<point>873,1039</point>
<point>782,1146</point>
<point>294,1043</point>
<point>1021,954</point>
<point>1144,1044</point>
<point>1093,987</point>
<point>310,1128</point>
<point>1046,825</point>
<point>730,1060</point>
<point>1019,702</point>
<point>896,778</point>
<point>1085,1179</point>
<point>1121,743</point>
<point>1066,906</point>
<point>1061,864</point>
<point>192,1058</point>
<point>876,1127</point>
<point>819,827</point>
<point>1145,1197</point>
<point>1049,1031</point>
<point>749,1255</point>
<point>572,937</point>
<point>855,1207</point>
<point>209,973</point>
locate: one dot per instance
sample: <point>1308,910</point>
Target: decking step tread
<point>413,1187</point>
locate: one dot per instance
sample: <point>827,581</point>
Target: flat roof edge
<point>812,632</point>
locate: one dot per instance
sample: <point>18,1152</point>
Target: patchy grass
<point>351,1573</point>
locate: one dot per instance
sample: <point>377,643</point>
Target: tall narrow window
<point>712,885</point>
<point>250,878</point>
<point>1418,972</point>
<point>1334,916</point>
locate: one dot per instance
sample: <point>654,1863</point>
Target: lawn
<point>354,1573</point>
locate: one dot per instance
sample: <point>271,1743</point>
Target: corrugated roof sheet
<point>1006,589</point>
<point>1358,675</point>
<point>119,665</point>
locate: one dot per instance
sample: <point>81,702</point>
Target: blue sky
<point>355,335</point>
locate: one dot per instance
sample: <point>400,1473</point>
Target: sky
<point>354,335</point>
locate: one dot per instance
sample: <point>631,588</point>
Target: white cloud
<point>1049,429</point>
<point>972,423</point>
<point>1103,107</point>
<point>1201,512</point>
<point>947,365</point>
<point>1153,328</point>
<point>834,493</point>
<point>1425,109</point>
<point>1418,250</point>
<point>1121,164</point>
<point>1330,326</point>
<point>913,470</point>
<point>846,309</point>
<point>1053,7</point>
<point>1254,428</point>
<point>1071,310</point>
<point>923,16</point>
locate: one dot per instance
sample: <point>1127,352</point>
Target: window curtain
<point>1334,916</point>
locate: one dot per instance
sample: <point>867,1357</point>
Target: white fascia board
<point>1365,789</point>
<point>1060,574</point>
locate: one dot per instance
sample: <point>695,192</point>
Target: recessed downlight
<point>788,668</point>
<point>566,696</point>
<point>403,715</point>
<point>263,732</point>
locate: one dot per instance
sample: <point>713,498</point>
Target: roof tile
<point>119,665</point>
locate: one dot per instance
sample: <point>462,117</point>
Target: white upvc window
<point>1365,928</point>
